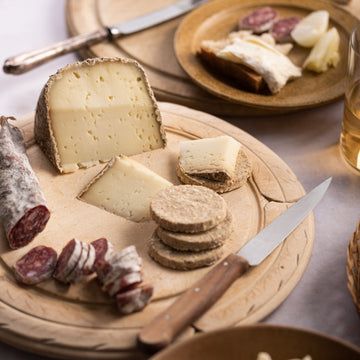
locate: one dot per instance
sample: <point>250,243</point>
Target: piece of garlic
<point>325,53</point>
<point>309,30</point>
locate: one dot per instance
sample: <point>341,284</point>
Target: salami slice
<point>76,274</point>
<point>134,299</point>
<point>23,207</point>
<point>89,263</point>
<point>103,250</point>
<point>259,20</point>
<point>123,283</point>
<point>123,253</point>
<point>127,264</point>
<point>35,266</point>
<point>282,28</point>
<point>68,259</point>
<point>102,269</point>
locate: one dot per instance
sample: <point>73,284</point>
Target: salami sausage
<point>259,20</point>
<point>35,266</point>
<point>23,207</point>
<point>282,28</point>
<point>134,299</point>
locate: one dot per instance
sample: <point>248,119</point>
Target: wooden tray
<point>79,321</point>
<point>153,48</point>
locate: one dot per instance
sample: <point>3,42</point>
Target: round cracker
<point>182,260</point>
<point>187,208</point>
<point>204,240</point>
<point>243,171</point>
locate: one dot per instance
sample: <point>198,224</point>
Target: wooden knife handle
<point>22,63</point>
<point>161,331</point>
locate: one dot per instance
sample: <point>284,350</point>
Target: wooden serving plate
<point>154,49</point>
<point>79,320</point>
<point>216,19</point>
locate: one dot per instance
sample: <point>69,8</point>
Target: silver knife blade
<point>154,18</point>
<point>260,246</point>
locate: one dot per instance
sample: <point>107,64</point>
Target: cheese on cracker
<point>210,156</point>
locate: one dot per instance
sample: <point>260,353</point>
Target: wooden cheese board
<point>79,320</point>
<point>154,49</point>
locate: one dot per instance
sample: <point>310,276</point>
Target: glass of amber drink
<point>350,134</point>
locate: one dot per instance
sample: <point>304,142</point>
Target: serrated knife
<point>165,327</point>
<point>24,62</point>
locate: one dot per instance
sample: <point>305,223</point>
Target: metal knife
<point>24,62</point>
<point>161,331</point>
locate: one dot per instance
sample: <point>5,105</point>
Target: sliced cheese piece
<point>210,156</point>
<point>124,187</point>
<point>94,110</point>
<point>325,53</point>
<point>276,68</point>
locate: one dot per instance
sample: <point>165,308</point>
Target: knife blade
<point>24,62</point>
<point>166,326</point>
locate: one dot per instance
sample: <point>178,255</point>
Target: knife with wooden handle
<point>22,63</point>
<point>161,331</point>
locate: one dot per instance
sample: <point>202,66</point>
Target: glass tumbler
<point>350,133</point>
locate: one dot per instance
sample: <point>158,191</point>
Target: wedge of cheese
<point>94,110</point>
<point>216,156</point>
<point>124,187</point>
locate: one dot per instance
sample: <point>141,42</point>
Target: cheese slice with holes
<point>210,156</point>
<point>124,187</point>
<point>94,110</point>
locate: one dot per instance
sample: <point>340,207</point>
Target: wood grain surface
<point>79,321</point>
<point>154,49</point>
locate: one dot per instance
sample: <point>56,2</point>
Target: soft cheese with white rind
<point>309,30</point>
<point>210,156</point>
<point>276,68</point>
<point>94,110</point>
<point>124,187</point>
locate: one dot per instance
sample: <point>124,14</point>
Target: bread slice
<point>242,75</point>
<point>242,173</point>
<point>181,260</point>
<point>187,208</point>
<point>204,240</point>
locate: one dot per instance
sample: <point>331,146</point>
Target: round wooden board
<point>79,321</point>
<point>153,48</point>
<point>216,19</point>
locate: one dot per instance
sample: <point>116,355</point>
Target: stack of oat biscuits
<point>193,224</point>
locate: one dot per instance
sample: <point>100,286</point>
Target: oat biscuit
<point>187,208</point>
<point>181,260</point>
<point>204,240</point>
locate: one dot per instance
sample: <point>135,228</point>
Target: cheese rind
<point>210,156</point>
<point>276,68</point>
<point>94,110</point>
<point>124,187</point>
